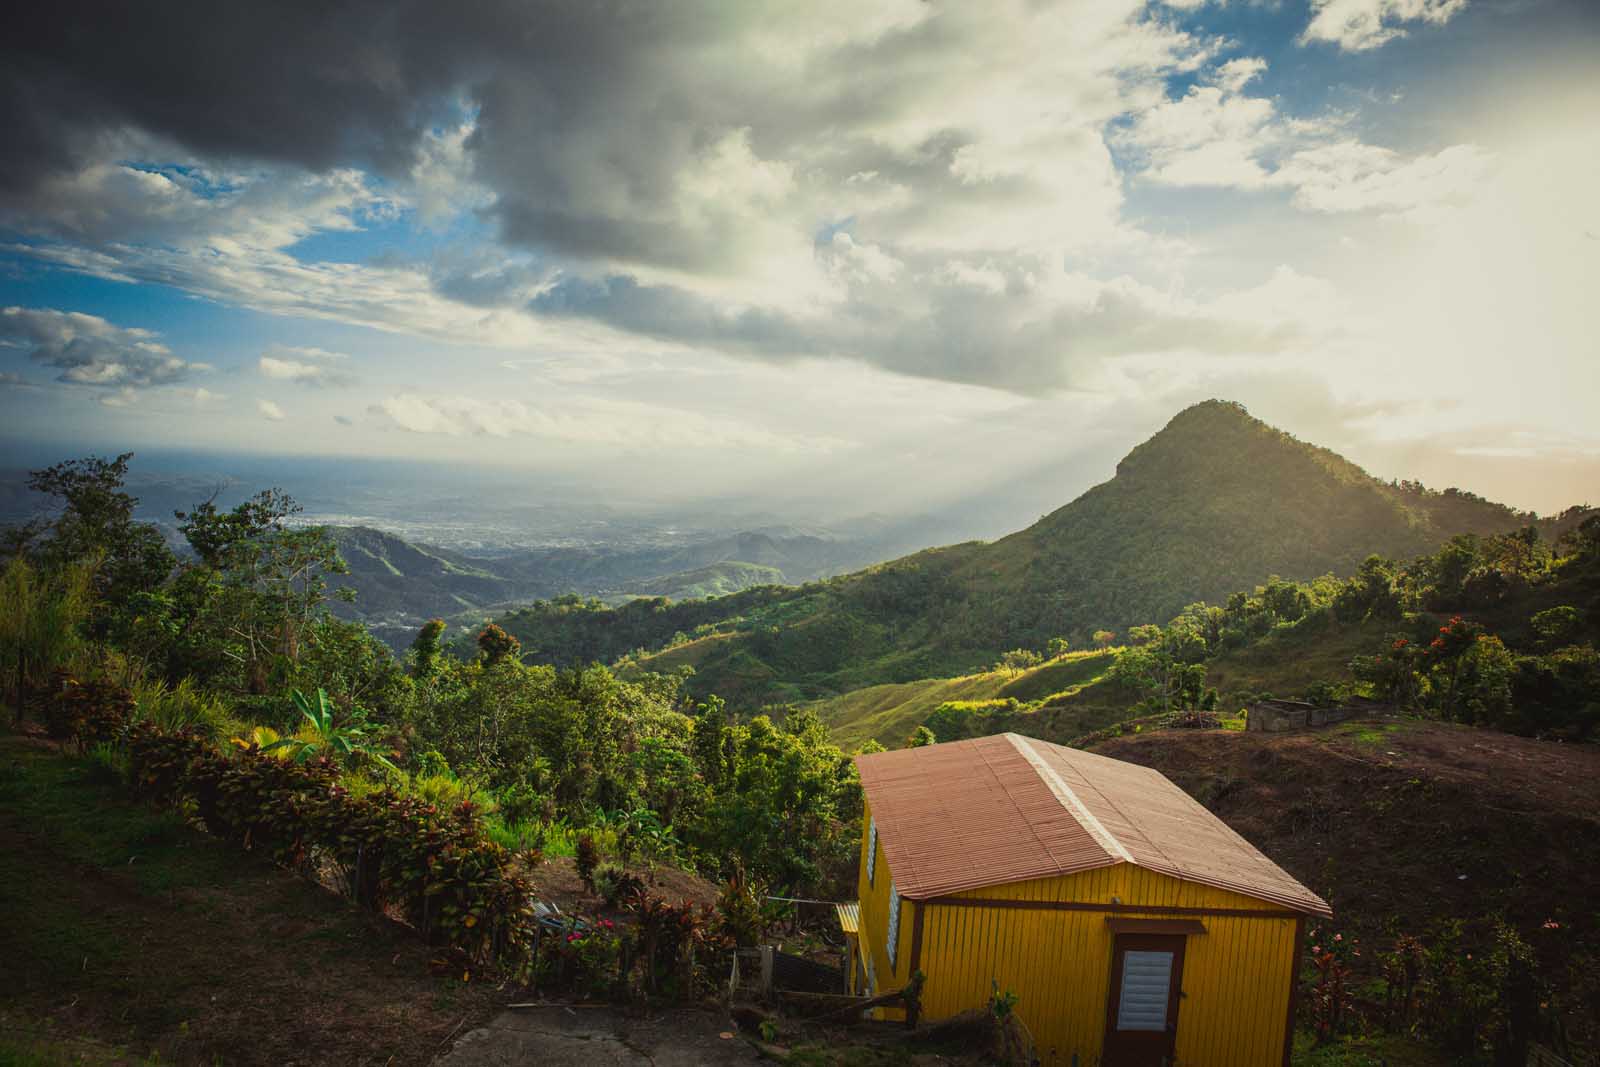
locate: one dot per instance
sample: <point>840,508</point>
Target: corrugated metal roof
<point>1008,808</point>
<point>849,917</point>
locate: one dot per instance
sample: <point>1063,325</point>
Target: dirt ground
<point>1403,824</point>
<point>557,880</point>
<point>558,1036</point>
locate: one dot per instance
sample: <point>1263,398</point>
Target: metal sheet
<point>1002,809</point>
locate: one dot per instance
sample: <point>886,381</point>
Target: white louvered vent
<point>1146,985</point>
<point>872,850</point>
<point>894,923</point>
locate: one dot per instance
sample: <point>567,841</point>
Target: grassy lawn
<point>127,934</point>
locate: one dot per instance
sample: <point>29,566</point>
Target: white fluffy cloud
<point>304,366</point>
<point>1217,135</point>
<point>1360,25</point>
<point>1351,176</point>
<point>270,411</point>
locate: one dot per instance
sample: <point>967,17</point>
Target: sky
<point>850,257</point>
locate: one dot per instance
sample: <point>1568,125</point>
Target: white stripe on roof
<point>1069,800</point>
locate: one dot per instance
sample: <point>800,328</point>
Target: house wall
<point>874,901</point>
<point>1237,977</point>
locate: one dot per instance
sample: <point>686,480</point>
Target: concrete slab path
<point>558,1036</point>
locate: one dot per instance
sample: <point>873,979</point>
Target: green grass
<point>889,713</point>
<point>1380,1050</point>
<point>22,1046</point>
<point>1288,660</point>
<point>123,926</point>
<point>1061,675</point>
<point>83,809</point>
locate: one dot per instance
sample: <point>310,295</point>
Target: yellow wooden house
<point>1134,926</point>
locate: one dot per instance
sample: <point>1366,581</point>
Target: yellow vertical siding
<point>874,901</point>
<point>1236,976</point>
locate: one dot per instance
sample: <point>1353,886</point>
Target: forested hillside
<point>396,585</point>
<point>1217,501</point>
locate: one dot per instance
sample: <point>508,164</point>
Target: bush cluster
<point>432,865</point>
<point>84,713</point>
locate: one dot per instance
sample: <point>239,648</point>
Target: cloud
<point>270,411</point>
<point>931,190</point>
<point>1351,176</point>
<point>1028,326</point>
<point>303,366</point>
<point>1217,135</point>
<point>587,420</point>
<point>90,351</point>
<point>1360,25</point>
<point>1212,135</point>
<point>344,420</point>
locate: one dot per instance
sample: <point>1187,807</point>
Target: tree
<point>921,737</point>
<point>496,646</point>
<point>1147,634</point>
<point>1287,601</point>
<point>1057,647</point>
<point>1103,638</point>
<point>96,521</point>
<point>1556,626</point>
<point>1168,683</point>
<point>425,649</point>
<point>215,535</point>
<point>710,731</point>
<point>1019,659</point>
<point>269,589</point>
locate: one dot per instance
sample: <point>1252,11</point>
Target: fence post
<point>767,956</point>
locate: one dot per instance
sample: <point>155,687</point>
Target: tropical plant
<point>185,705</point>
<point>322,735</point>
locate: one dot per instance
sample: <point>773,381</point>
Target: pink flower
<point>1338,937</point>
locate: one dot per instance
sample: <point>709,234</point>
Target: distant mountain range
<point>1215,502</point>
<point>400,584</point>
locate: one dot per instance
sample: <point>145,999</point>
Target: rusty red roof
<point>1008,808</point>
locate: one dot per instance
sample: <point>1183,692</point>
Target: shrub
<point>739,910</point>
<point>86,712</point>
<point>616,886</point>
<point>587,957</point>
<point>666,937</point>
<point>587,858</point>
<point>185,706</point>
<point>433,864</point>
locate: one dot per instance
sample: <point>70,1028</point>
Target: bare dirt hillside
<point>1404,825</point>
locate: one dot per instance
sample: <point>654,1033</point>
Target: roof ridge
<point>1069,799</point>
<point>1149,842</point>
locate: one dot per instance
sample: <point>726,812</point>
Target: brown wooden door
<point>1142,1013</point>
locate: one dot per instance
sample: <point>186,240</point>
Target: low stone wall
<point>1275,716</point>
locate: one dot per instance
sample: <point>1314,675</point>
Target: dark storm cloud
<point>88,350</point>
<point>312,84</point>
<point>585,113</point>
